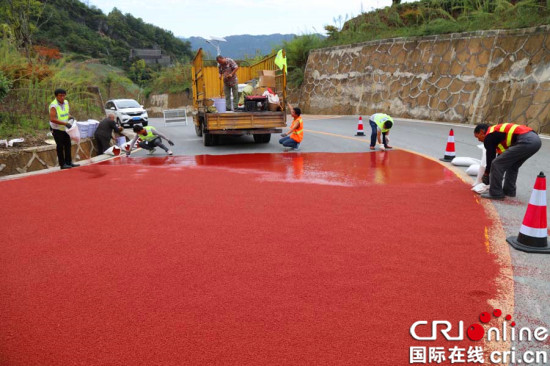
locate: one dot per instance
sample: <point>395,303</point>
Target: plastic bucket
<point>120,140</point>
<point>219,103</point>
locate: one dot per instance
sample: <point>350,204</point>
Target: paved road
<point>336,134</point>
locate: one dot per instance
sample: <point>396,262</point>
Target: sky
<point>220,18</point>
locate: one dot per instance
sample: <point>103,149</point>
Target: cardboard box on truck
<point>267,78</point>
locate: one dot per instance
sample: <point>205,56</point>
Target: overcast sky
<point>222,18</point>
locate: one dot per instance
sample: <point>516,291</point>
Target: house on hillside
<point>152,56</point>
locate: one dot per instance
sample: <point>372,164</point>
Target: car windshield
<point>127,104</point>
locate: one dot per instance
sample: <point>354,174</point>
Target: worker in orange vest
<point>514,144</point>
<point>294,137</point>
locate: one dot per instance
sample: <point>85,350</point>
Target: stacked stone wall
<point>31,159</point>
<point>486,76</point>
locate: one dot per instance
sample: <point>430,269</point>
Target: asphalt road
<point>337,134</point>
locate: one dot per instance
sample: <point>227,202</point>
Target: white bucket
<point>120,140</point>
<point>219,103</point>
<point>83,128</point>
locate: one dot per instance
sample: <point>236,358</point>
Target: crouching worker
<point>514,144</point>
<point>293,138</point>
<point>381,124</point>
<point>151,139</point>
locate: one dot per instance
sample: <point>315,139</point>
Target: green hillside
<point>429,17</point>
<point>73,27</point>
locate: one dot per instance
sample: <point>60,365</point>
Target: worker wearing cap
<point>294,137</point>
<point>514,144</point>
<point>380,124</point>
<point>151,138</point>
<point>59,123</point>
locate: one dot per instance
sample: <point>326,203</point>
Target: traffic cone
<point>360,131</point>
<point>533,234</point>
<point>450,148</point>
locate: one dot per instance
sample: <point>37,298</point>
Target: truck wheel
<point>198,125</point>
<point>208,139</point>
<point>198,130</point>
<point>263,138</point>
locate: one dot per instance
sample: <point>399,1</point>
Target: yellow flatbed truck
<point>207,85</point>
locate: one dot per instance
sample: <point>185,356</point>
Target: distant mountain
<point>241,46</point>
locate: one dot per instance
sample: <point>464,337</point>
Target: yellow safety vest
<point>510,129</point>
<point>298,133</point>
<point>380,119</point>
<point>62,114</point>
<point>149,136</point>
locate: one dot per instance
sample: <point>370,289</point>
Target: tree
<point>5,85</point>
<point>23,18</point>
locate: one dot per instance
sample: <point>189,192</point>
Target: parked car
<point>128,112</point>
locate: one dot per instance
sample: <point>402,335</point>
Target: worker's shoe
<point>169,152</point>
<point>152,151</point>
<point>510,194</point>
<point>372,148</point>
<point>388,147</point>
<point>491,197</point>
<point>73,165</point>
<point>65,166</point>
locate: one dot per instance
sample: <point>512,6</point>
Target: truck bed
<point>245,120</point>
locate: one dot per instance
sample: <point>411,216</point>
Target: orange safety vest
<point>510,129</point>
<point>298,133</point>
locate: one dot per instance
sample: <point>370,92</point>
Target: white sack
<point>473,170</point>
<point>73,132</point>
<point>482,165</point>
<point>113,150</point>
<point>15,141</point>
<point>463,161</point>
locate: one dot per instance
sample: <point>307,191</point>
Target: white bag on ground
<point>473,170</point>
<point>15,141</point>
<point>463,161</point>
<point>73,132</point>
<point>113,150</point>
<point>482,165</point>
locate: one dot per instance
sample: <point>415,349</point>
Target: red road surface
<point>283,259</point>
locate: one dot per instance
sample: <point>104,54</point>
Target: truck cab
<point>210,124</point>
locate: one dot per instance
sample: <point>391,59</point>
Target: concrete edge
<point>83,163</point>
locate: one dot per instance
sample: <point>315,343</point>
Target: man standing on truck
<point>227,69</point>
<point>293,138</point>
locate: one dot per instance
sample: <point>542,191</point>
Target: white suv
<point>128,112</point>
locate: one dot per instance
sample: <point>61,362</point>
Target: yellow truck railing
<point>207,84</point>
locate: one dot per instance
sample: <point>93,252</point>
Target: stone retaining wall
<point>493,76</point>
<point>18,161</point>
<point>156,103</point>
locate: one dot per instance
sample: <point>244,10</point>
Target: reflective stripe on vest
<point>149,136</point>
<point>62,114</point>
<point>298,133</point>
<point>510,129</point>
<point>380,119</point>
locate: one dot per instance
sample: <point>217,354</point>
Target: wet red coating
<point>303,259</point>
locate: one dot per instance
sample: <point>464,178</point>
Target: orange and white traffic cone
<point>450,153</point>
<point>533,234</point>
<point>360,131</point>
